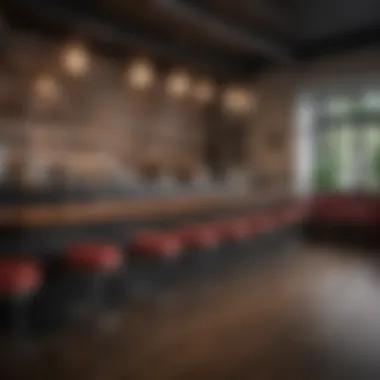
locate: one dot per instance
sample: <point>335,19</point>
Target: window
<point>328,160</point>
<point>346,167</point>
<point>370,101</point>
<point>346,128</point>
<point>371,157</point>
<point>339,106</point>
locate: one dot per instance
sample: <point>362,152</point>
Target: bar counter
<point>69,213</point>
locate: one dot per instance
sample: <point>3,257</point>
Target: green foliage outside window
<point>325,179</point>
<point>326,176</point>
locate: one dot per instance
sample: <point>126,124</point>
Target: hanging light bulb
<point>75,60</point>
<point>140,75</point>
<point>46,89</point>
<point>204,91</point>
<point>178,84</point>
<point>237,100</point>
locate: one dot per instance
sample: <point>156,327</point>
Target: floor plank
<point>255,326</point>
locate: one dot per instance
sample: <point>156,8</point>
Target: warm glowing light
<point>237,100</point>
<point>76,60</point>
<point>204,91</point>
<point>178,84</point>
<point>140,75</point>
<point>46,89</point>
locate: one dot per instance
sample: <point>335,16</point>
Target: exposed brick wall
<point>98,123</point>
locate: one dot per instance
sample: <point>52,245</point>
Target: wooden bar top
<point>64,214</point>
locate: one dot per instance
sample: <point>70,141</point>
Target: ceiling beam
<point>343,42</point>
<point>245,40</point>
<point>107,31</point>
<point>269,12</point>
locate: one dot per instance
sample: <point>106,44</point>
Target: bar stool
<point>317,226</point>
<point>361,216</point>
<point>335,218</point>
<point>154,264</point>
<point>77,284</point>
<point>277,230</point>
<point>201,243</point>
<point>235,235</point>
<point>341,221</point>
<point>20,283</point>
<point>262,236</point>
<point>291,218</point>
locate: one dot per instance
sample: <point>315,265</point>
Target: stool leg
<point>21,345</point>
<point>102,342</point>
<point>144,281</point>
<point>150,279</point>
<point>198,267</point>
<point>190,268</point>
<point>117,289</point>
<point>19,320</point>
<point>21,314</point>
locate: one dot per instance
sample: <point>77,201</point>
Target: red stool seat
<point>276,217</point>
<point>303,210</point>
<point>261,223</point>
<point>156,245</point>
<point>93,257</point>
<point>286,215</point>
<point>199,236</point>
<point>292,214</point>
<point>235,230</point>
<point>19,277</point>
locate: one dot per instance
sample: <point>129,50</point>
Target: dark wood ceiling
<point>234,27</point>
<point>237,37</point>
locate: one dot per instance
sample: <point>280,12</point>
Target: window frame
<point>358,118</point>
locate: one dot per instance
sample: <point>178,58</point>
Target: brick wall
<point>98,124</point>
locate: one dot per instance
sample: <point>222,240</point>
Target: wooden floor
<point>262,325</point>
